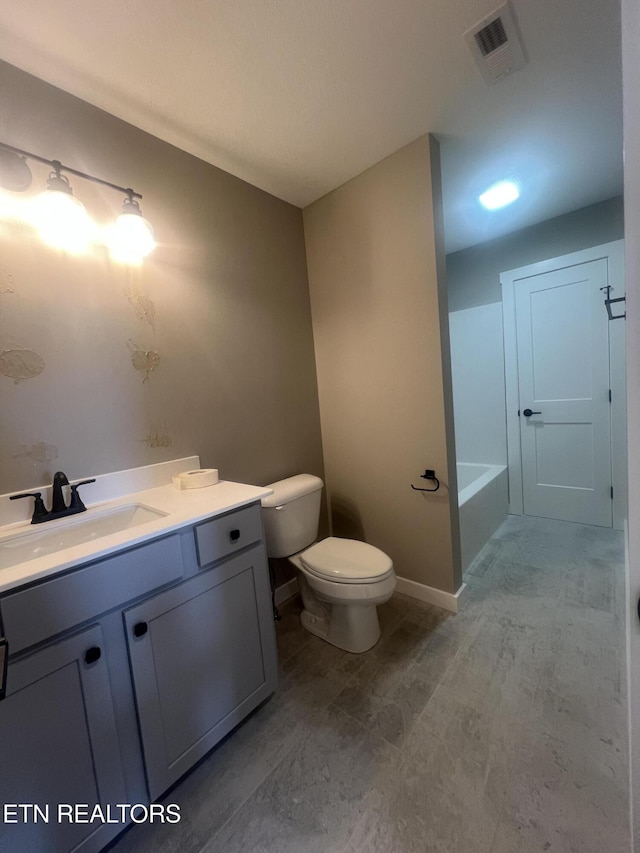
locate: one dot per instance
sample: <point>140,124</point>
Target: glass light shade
<point>8,207</point>
<point>500,195</point>
<point>15,174</point>
<point>131,238</point>
<point>62,221</point>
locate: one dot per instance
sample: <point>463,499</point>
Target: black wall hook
<point>429,474</point>
<point>608,302</point>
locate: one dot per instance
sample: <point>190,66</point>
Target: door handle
<point>528,412</point>
<point>93,654</point>
<point>140,629</point>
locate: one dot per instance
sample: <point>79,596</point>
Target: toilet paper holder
<point>429,474</point>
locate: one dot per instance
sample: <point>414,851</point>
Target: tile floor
<point>499,730</point>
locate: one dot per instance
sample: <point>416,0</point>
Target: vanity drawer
<point>39,612</point>
<point>227,534</point>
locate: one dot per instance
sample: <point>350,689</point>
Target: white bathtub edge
<point>446,600</point>
<point>491,472</point>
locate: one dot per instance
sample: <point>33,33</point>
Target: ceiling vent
<point>495,44</point>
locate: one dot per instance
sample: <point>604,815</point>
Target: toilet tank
<point>291,514</point>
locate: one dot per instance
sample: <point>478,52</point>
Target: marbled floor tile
<point>479,602</point>
<point>598,588</point>
<point>563,799</point>
<point>590,725</point>
<point>431,618</point>
<point>436,621</point>
<point>589,655</point>
<point>314,656</point>
<point>510,642</point>
<point>310,688</point>
<point>312,801</point>
<point>548,544</point>
<point>493,551</point>
<point>510,837</point>
<point>517,590</point>
<point>442,795</point>
<point>392,688</point>
<point>223,781</point>
<point>481,743</point>
<point>390,714</point>
<point>522,579</point>
<point>601,541</point>
<point>502,693</point>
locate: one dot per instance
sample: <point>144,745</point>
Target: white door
<point>562,334</point>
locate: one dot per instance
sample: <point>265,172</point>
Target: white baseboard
<point>447,600</point>
<point>286,591</point>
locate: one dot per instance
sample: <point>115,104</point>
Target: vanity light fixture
<point>15,174</point>
<point>131,236</point>
<point>61,219</point>
<point>500,195</point>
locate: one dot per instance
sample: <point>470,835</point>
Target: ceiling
<point>298,96</point>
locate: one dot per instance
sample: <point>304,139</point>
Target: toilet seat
<point>346,561</point>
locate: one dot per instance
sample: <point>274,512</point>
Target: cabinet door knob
<point>234,535</point>
<point>93,654</point>
<point>140,629</point>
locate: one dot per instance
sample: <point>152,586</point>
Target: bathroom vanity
<point>130,658</point>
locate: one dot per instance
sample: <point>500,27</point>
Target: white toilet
<point>341,580</point>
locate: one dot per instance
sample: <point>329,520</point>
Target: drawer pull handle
<point>93,654</point>
<point>234,535</point>
<point>140,629</point>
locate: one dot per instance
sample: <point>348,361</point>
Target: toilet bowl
<point>340,605</point>
<point>341,581</point>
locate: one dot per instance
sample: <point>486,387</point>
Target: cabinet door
<point>58,745</point>
<point>202,655</point>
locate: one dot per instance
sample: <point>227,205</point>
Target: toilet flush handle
<point>279,508</point>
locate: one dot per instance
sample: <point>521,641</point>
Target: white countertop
<point>182,508</point>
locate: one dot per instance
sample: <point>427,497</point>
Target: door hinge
<point>611,492</point>
<point>609,394</point>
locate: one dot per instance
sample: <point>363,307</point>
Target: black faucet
<point>58,506</point>
<point>57,499</point>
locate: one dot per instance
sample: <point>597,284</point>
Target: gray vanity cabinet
<point>179,629</point>
<point>202,656</point>
<point>59,741</point>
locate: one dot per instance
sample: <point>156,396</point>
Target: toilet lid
<point>346,561</point>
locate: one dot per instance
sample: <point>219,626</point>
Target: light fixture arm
<point>60,167</point>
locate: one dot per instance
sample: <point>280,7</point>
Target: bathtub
<point>483,501</point>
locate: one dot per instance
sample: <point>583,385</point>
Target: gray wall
<point>384,393</point>
<point>474,274</point>
<point>236,380</point>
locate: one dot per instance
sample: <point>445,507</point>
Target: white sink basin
<point>52,536</point>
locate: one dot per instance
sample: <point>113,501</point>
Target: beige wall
<point>376,307</point>
<point>236,379</point>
